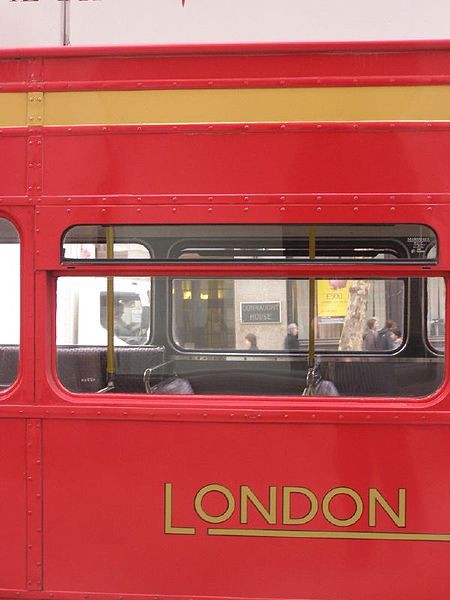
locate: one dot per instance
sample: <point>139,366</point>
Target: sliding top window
<point>275,244</point>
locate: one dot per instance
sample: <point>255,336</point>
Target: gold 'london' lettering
<point>282,518</point>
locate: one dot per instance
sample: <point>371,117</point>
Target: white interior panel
<point>125,22</point>
<point>200,21</point>
<point>30,23</point>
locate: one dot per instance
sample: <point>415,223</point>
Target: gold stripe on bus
<point>341,104</point>
<point>414,103</point>
<point>13,109</point>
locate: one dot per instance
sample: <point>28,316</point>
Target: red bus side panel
<point>13,504</point>
<point>247,163</point>
<point>104,513</point>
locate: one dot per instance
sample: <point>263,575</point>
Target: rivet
<point>355,208</point>
<point>341,417</point>
<point>313,416</point>
<point>429,197</point>
<point>210,198</point>
<point>210,209</point>
<point>319,126</point>
<point>283,198</point>
<point>429,208</point>
<point>125,413</point>
<point>231,414</point>
<point>30,512</point>
<point>423,417</point>
<point>392,207</point>
<point>355,198</point>
<point>286,416</point>
<point>246,198</point>
<point>246,209</point>
<point>68,210</point>
<point>99,412</point>
<point>318,209</point>
<point>396,417</point>
<point>174,209</point>
<point>103,210</point>
<point>283,126</point>
<point>210,82</point>
<point>29,546</point>
<point>139,210</point>
<point>319,198</point>
<point>282,208</point>
<point>368,417</point>
<point>246,126</point>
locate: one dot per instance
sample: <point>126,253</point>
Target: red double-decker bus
<point>223,340</point>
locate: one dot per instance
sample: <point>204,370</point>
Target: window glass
<point>436,313</point>
<point>216,336</point>
<point>350,315</point>
<point>244,243</point>
<point>82,311</point>
<point>9,303</point>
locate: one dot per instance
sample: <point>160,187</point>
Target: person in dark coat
<point>370,336</point>
<point>385,337</point>
<point>251,342</point>
<point>291,341</point>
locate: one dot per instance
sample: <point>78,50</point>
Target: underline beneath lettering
<point>340,535</point>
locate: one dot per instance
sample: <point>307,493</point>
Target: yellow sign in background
<point>332,298</point>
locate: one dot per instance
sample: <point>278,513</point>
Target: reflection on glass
<point>254,243</point>
<point>216,336</point>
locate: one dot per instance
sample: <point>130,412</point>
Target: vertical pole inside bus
<point>312,299</point>
<point>110,358</point>
<point>310,379</point>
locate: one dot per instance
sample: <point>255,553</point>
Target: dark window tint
<point>251,243</point>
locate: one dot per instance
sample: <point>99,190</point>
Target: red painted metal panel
<point>360,46</point>
<point>248,66</point>
<point>13,152</point>
<point>104,509</point>
<point>248,163</point>
<point>13,514</point>
<point>13,71</point>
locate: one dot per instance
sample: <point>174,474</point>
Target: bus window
<point>9,303</point>
<point>378,243</point>
<point>82,306</point>
<point>242,336</point>
<point>216,314</point>
<point>436,313</point>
